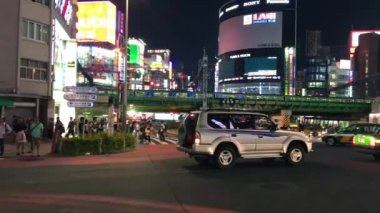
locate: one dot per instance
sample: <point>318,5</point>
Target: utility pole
<point>204,78</point>
<point>124,91</point>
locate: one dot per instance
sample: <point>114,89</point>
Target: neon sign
<point>65,8</point>
<point>120,22</point>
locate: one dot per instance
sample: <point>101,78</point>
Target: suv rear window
<point>219,121</point>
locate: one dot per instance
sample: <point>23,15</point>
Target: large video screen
<point>257,30</point>
<point>260,66</point>
<point>100,64</point>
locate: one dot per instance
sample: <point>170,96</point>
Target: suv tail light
<point>197,139</point>
<point>373,142</point>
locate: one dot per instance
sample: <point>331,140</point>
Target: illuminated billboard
<point>260,66</point>
<point>96,21</point>
<point>99,64</point>
<point>136,51</point>
<point>258,30</point>
<point>158,59</point>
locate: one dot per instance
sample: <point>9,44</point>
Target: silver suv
<point>221,137</point>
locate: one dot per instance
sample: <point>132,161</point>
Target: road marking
<point>171,141</point>
<point>158,141</point>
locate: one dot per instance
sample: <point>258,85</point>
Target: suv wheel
<point>225,157</point>
<point>331,141</point>
<point>295,155</point>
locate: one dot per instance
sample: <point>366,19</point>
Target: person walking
<point>21,141</point>
<point>143,132</point>
<point>58,130</point>
<point>4,130</point>
<point>161,131</point>
<point>148,131</point>
<point>36,130</point>
<point>50,129</point>
<point>70,128</point>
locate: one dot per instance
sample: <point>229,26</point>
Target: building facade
<point>257,48</point>
<point>26,87</point>
<point>367,66</point>
<point>340,76</point>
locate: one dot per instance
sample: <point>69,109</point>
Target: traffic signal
<point>152,84</point>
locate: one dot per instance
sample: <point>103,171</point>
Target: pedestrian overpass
<point>169,101</point>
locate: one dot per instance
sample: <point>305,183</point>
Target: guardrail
<point>192,95</point>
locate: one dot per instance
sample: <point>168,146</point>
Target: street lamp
<point>124,92</point>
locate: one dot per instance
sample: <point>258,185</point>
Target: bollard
<point>100,145</point>
<point>124,143</point>
<point>60,144</point>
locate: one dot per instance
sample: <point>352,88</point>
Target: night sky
<point>187,26</point>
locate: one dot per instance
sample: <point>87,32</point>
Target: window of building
<point>44,2</point>
<point>35,31</point>
<point>33,70</point>
<point>24,28</point>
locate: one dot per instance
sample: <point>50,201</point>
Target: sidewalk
<point>142,153</point>
<point>10,149</point>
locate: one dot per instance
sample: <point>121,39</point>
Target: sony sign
<point>251,3</point>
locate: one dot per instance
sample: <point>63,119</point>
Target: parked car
<point>369,142</point>
<point>346,135</point>
<point>224,136</point>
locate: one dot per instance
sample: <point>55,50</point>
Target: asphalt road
<point>333,179</point>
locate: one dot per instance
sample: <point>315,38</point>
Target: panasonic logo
<point>278,1</point>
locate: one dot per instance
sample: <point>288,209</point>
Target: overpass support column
<point>284,121</point>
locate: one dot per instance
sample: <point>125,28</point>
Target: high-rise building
<point>367,66</point>
<point>316,76</point>
<point>159,68</point>
<point>257,47</point>
<point>339,78</point>
<point>313,43</point>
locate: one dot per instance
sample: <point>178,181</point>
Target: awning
<point>6,102</point>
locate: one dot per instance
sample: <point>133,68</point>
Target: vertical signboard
<point>290,73</point>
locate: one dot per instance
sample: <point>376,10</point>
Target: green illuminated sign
<point>134,54</point>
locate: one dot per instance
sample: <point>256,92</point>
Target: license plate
<point>361,139</point>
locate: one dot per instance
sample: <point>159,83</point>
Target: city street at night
<point>179,106</point>
<point>161,179</point>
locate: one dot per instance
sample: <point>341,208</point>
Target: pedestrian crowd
<point>28,133</point>
<point>144,129</point>
<point>25,133</point>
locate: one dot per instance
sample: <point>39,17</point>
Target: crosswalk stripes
<point>171,140</point>
<point>157,141</point>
